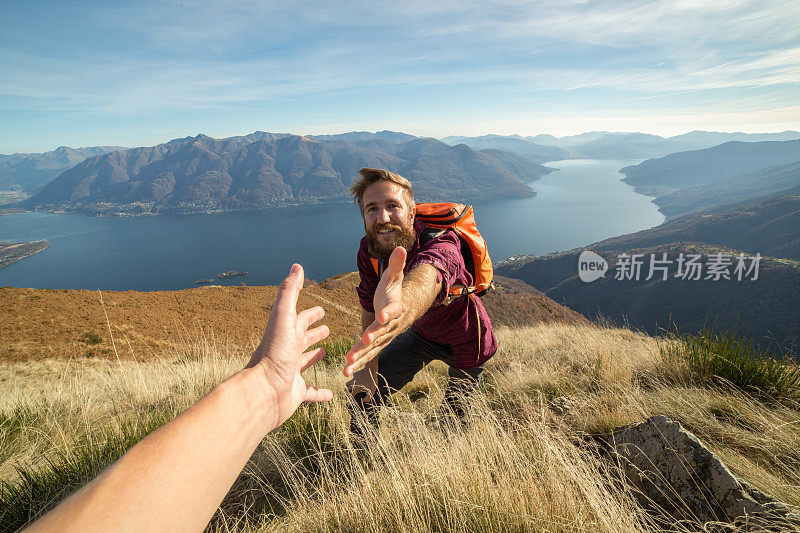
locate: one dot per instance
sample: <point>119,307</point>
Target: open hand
<point>282,353</point>
<point>389,314</point>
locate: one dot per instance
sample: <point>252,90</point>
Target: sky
<point>140,73</point>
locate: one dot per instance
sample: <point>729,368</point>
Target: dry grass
<point>518,467</point>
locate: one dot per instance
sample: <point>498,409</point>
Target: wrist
<point>254,399</point>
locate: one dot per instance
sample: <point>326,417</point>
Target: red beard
<point>382,249</point>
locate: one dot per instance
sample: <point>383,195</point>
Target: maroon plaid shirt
<point>457,324</point>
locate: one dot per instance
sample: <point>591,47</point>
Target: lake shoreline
<point>583,202</point>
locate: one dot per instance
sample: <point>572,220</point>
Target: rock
<point>674,473</point>
<point>561,405</point>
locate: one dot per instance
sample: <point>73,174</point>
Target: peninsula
<point>11,252</point>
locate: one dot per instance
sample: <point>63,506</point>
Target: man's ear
<point>413,210</point>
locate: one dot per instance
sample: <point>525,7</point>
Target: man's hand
<point>390,316</point>
<point>282,352</point>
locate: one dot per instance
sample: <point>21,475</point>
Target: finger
<point>358,364</point>
<point>311,357</point>
<point>289,290</point>
<point>392,310</point>
<point>372,331</point>
<point>314,394</point>
<point>315,335</point>
<point>357,360</point>
<point>371,336</point>
<point>374,336</point>
<point>309,316</point>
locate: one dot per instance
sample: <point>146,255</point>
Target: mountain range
<point>698,167</point>
<point>765,309</point>
<point>727,192</point>
<point>31,172</point>
<point>613,145</point>
<point>201,174</point>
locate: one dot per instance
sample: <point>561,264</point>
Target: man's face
<point>388,219</point>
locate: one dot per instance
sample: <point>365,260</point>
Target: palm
<point>282,352</point>
<point>388,299</point>
<point>388,303</point>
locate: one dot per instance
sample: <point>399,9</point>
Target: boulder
<point>676,475</point>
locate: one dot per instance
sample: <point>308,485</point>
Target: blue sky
<point>139,73</point>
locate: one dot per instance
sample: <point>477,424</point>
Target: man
<point>405,320</point>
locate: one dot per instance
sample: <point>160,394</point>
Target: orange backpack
<point>439,217</point>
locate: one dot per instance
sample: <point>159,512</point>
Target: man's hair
<point>374,175</point>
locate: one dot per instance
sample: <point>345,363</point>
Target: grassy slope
<point>42,323</point>
<point>520,466</point>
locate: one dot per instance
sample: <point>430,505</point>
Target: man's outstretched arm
<point>399,301</point>
<point>175,478</point>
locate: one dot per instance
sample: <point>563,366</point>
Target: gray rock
<point>674,473</point>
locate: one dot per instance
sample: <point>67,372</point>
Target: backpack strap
<point>478,317</point>
<point>378,266</point>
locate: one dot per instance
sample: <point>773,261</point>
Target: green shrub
<point>726,359</point>
<point>91,338</point>
<point>335,351</point>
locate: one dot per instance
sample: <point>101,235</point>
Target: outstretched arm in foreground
<point>175,479</point>
<point>399,301</point>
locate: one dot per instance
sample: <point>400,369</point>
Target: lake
<point>582,203</point>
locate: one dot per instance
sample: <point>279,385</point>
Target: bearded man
<point>405,319</point>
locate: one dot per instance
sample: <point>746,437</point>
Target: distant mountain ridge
<point>614,145</point>
<point>727,192</point>
<point>764,309</point>
<point>535,152</point>
<point>202,174</point>
<point>698,167</point>
<point>30,172</point>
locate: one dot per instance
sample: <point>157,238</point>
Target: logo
<point>591,266</point>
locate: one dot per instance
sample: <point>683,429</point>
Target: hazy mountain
<point>696,140</point>
<point>535,152</point>
<point>766,308</point>
<point>696,167</point>
<point>385,135</point>
<point>725,193</point>
<point>622,145</point>
<point>30,172</point>
<point>569,140</point>
<point>521,166</point>
<point>203,174</point>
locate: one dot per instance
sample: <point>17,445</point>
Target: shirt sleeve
<point>369,280</point>
<point>444,253</point>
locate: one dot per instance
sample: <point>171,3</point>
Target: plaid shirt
<point>463,324</point>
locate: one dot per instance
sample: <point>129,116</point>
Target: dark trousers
<point>400,361</point>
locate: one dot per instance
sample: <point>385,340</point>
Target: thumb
<point>397,261</point>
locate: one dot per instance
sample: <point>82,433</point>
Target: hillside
<point>201,174</point>
<point>725,193</point>
<point>30,172</point>
<point>43,323</point>
<point>764,309</point>
<point>697,167</point>
<point>535,152</point>
<point>532,458</point>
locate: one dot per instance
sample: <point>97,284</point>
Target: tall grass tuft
<point>38,489</point>
<point>335,351</point>
<point>726,359</point>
